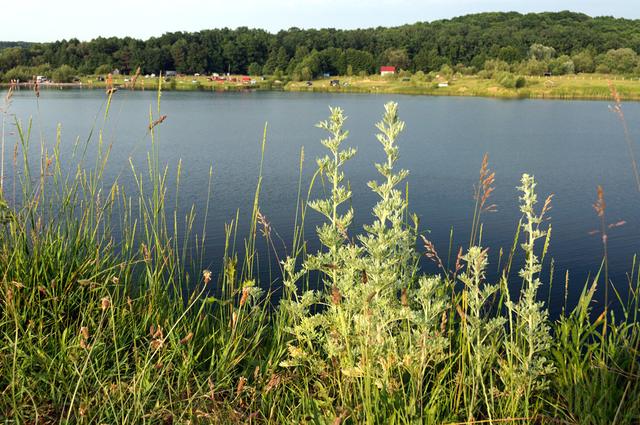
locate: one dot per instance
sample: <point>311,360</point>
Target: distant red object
<point>387,69</point>
<point>246,78</point>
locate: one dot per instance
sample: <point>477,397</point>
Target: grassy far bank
<point>588,86</point>
<point>183,83</point>
<point>98,330</point>
<point>582,86</point>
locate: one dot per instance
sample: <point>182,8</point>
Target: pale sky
<point>49,20</point>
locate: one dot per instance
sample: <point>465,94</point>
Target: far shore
<point>578,87</point>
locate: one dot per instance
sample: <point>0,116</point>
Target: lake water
<point>570,147</point>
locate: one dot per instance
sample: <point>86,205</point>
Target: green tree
<point>510,54</point>
<point>12,57</point>
<point>359,60</point>
<point>63,74</point>
<point>395,57</point>
<point>562,65</point>
<point>179,55</point>
<point>621,61</point>
<point>584,61</point>
<point>427,59</point>
<point>533,67</point>
<point>541,52</point>
<point>254,69</point>
<point>496,65</point>
<point>310,66</point>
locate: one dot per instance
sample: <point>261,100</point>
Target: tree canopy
<point>563,42</point>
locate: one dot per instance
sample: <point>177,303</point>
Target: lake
<point>570,147</point>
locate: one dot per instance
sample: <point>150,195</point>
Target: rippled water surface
<point>570,147</point>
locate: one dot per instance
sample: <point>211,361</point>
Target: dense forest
<point>529,44</point>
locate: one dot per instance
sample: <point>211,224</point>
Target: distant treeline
<point>563,42</point>
<point>5,44</point>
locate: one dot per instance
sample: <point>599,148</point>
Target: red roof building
<point>387,70</point>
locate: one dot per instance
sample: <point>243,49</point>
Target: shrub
<point>495,65</point>
<point>419,77</point>
<point>485,74</point>
<point>404,74</point>
<point>464,70</point>
<point>18,73</point>
<point>446,71</point>
<point>254,69</point>
<point>506,80</point>
<point>103,69</point>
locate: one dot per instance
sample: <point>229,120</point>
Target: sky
<point>47,20</point>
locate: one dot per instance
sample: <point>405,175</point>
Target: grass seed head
<point>206,275</point>
<point>187,338</point>
<point>105,303</point>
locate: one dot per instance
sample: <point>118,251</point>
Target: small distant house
<point>387,70</point>
<point>326,74</point>
<point>115,72</point>
<point>41,79</point>
<point>246,80</point>
<point>171,74</point>
<point>443,84</point>
<point>547,74</point>
<point>335,83</point>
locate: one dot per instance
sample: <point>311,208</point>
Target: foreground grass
<point>96,329</point>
